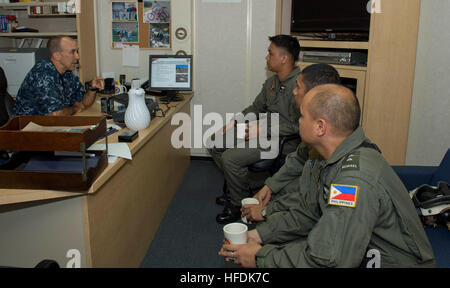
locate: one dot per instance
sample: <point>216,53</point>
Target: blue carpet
<point>189,236</point>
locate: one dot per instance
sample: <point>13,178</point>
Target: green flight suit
<point>317,232</point>
<point>275,97</point>
<point>285,184</point>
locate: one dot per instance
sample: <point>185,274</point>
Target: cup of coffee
<point>235,233</point>
<point>248,201</point>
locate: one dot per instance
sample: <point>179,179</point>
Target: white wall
<point>231,41</point>
<point>429,130</point>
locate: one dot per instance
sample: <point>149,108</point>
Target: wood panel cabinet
<point>384,87</point>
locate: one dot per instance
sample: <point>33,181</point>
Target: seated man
<point>285,180</point>
<point>351,208</point>
<point>275,97</point>
<point>50,88</point>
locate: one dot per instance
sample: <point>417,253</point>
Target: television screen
<point>349,16</point>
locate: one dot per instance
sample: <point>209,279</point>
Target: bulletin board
<point>143,23</point>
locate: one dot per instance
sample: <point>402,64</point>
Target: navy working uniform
<point>275,97</point>
<point>44,90</point>
<point>350,205</point>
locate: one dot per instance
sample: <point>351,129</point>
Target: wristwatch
<point>92,89</point>
<point>264,213</point>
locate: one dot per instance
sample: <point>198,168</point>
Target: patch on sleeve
<point>343,195</point>
<point>351,162</point>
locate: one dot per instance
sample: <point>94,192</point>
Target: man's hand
<point>264,195</point>
<point>253,235</point>
<point>78,107</point>
<point>97,83</point>
<point>243,254</point>
<point>227,127</point>
<point>252,131</point>
<point>253,212</point>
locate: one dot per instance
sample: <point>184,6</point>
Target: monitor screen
<point>170,73</point>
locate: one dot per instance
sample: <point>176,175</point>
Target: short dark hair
<point>318,74</point>
<point>289,43</point>
<point>54,44</point>
<point>338,105</point>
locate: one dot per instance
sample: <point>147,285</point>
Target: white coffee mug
<point>120,89</point>
<point>248,201</point>
<point>235,233</point>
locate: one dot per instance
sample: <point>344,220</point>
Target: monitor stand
<point>170,96</point>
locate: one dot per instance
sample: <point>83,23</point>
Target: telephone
<point>146,85</point>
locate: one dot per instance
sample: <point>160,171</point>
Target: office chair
<point>6,108</point>
<point>414,176</point>
<point>6,111</point>
<point>266,165</point>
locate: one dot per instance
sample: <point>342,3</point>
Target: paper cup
<point>240,130</point>
<point>248,201</point>
<point>235,233</point>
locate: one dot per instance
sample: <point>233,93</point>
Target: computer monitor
<point>170,74</point>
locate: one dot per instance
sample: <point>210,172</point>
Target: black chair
<point>6,111</point>
<point>6,108</point>
<point>270,166</point>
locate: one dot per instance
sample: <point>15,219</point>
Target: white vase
<point>137,116</point>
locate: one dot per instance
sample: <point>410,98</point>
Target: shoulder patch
<point>351,162</point>
<point>343,195</point>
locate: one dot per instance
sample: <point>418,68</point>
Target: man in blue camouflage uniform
<point>50,88</point>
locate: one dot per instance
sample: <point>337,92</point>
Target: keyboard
<point>121,98</point>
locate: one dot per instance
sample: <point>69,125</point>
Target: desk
<point>110,225</point>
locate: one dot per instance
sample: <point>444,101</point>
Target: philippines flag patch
<point>343,195</point>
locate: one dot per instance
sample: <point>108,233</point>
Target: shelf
<point>334,44</point>
<point>51,15</point>
<point>25,5</point>
<point>339,67</point>
<point>38,35</point>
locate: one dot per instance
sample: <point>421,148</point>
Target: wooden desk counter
<point>117,217</point>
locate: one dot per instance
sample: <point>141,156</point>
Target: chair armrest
<point>414,176</point>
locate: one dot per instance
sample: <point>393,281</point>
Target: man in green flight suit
<point>352,209</point>
<point>284,183</point>
<point>275,97</point>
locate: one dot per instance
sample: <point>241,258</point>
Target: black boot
<point>229,214</point>
<point>225,197</point>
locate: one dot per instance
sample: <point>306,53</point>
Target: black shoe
<point>229,214</point>
<point>222,199</point>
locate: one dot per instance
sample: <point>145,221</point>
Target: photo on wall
<point>125,32</point>
<point>156,12</point>
<point>160,35</point>
<point>124,12</point>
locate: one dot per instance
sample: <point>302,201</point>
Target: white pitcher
<point>137,116</point>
